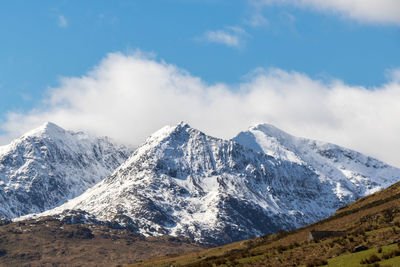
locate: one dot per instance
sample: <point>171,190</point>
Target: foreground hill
<point>183,182</point>
<point>49,165</point>
<point>371,225</point>
<point>52,242</point>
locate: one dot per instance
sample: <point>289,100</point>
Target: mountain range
<point>183,182</point>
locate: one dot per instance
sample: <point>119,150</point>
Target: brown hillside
<point>49,242</point>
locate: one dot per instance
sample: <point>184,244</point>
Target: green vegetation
<point>358,259</point>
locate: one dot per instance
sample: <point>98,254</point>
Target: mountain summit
<point>183,182</point>
<point>351,174</point>
<point>49,165</point>
<point>48,129</point>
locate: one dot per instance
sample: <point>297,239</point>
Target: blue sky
<point>41,42</point>
<point>322,69</point>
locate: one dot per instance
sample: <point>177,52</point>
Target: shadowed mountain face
<point>185,183</point>
<point>49,165</point>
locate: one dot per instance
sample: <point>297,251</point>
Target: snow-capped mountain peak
<point>353,174</point>
<point>167,131</point>
<point>49,165</point>
<point>268,139</point>
<point>46,129</point>
<point>271,130</point>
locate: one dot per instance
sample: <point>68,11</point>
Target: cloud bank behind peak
<point>129,96</point>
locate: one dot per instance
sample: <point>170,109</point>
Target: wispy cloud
<point>367,11</point>
<point>128,97</point>
<point>257,20</point>
<point>62,21</point>
<point>230,36</point>
<point>394,75</point>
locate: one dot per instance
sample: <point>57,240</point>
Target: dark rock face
<point>49,165</point>
<point>120,221</point>
<point>4,221</point>
<point>319,235</point>
<point>359,248</point>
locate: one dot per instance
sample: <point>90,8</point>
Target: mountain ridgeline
<point>351,174</point>
<point>183,182</point>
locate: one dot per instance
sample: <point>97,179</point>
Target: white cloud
<point>369,11</point>
<point>128,97</point>
<point>231,36</point>
<point>62,21</point>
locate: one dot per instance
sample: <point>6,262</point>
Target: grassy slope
<point>373,221</point>
<point>353,259</point>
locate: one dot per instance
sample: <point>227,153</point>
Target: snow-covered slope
<point>183,182</point>
<point>49,165</point>
<point>351,174</point>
